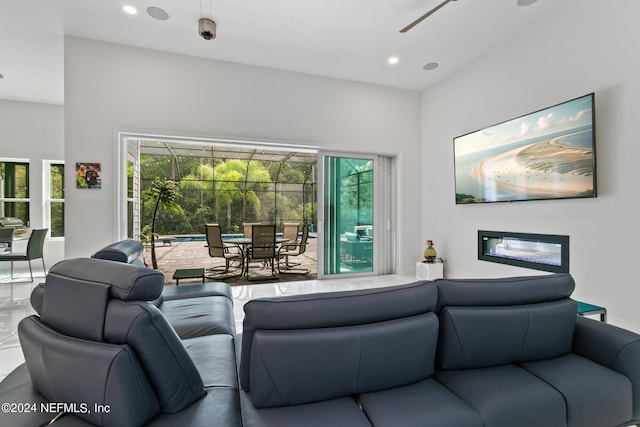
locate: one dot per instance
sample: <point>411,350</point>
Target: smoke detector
<point>207,28</point>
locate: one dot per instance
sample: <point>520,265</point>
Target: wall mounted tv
<point>549,154</point>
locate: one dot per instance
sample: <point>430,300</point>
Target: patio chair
<point>290,231</point>
<point>263,247</point>
<point>247,228</point>
<point>217,249</point>
<point>293,249</point>
<point>35,249</point>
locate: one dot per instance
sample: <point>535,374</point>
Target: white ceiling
<point>349,39</point>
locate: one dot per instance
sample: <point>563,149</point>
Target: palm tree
<point>242,177</point>
<point>231,181</point>
<point>163,193</point>
<point>223,186</point>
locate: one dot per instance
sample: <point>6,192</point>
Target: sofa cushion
<point>478,337</point>
<point>215,358</point>
<point>290,367</point>
<point>125,251</point>
<point>37,295</point>
<point>24,392</point>
<point>170,293</point>
<point>425,403</point>
<point>505,291</point>
<point>596,396</point>
<point>342,412</point>
<point>332,309</point>
<point>506,396</point>
<point>74,307</point>
<point>19,377</point>
<point>195,317</point>
<point>170,370</point>
<point>71,370</point>
<point>220,407</point>
<point>126,282</point>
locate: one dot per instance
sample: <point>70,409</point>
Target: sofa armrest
<point>616,348</point>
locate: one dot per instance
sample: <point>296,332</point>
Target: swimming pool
<point>203,238</point>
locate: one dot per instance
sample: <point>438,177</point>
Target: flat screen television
<point>548,154</point>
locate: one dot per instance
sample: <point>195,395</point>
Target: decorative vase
<point>430,252</point>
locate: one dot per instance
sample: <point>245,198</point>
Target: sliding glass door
<point>354,225</point>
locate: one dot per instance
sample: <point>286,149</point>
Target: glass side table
<point>585,309</point>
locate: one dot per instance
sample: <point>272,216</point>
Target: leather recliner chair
<point>103,350</point>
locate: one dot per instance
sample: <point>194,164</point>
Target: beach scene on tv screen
<point>543,155</point>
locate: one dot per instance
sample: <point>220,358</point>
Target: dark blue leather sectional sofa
<point>450,353</point>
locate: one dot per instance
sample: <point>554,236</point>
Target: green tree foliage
<point>57,208</point>
<point>357,192</point>
<point>14,178</point>
<point>230,191</point>
<point>230,184</point>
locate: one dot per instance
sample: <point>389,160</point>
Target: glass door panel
<point>348,215</point>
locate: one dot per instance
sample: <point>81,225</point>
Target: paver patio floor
<point>194,254</point>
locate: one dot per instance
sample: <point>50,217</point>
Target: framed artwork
<point>548,154</point>
<point>88,175</point>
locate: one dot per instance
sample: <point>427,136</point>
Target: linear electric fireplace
<point>546,252</point>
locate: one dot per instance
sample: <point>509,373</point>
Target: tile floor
<point>15,305</point>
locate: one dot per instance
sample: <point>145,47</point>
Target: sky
<point>568,115</point>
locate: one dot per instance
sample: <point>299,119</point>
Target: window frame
<point>19,199</point>
<point>46,195</point>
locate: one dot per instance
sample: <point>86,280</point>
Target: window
<point>14,189</point>
<point>54,197</point>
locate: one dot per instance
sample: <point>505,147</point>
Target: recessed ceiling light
<point>129,9</point>
<point>157,13</point>
<point>430,66</point>
<point>393,60</point>
<point>526,2</point>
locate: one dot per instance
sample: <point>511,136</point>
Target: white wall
<point>35,132</point>
<point>110,88</point>
<point>587,46</point>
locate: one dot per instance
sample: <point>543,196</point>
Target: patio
<point>194,254</point>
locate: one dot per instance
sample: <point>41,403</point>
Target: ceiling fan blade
<point>425,16</point>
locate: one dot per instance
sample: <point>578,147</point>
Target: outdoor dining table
<point>243,243</point>
<point>8,241</point>
<point>6,245</point>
